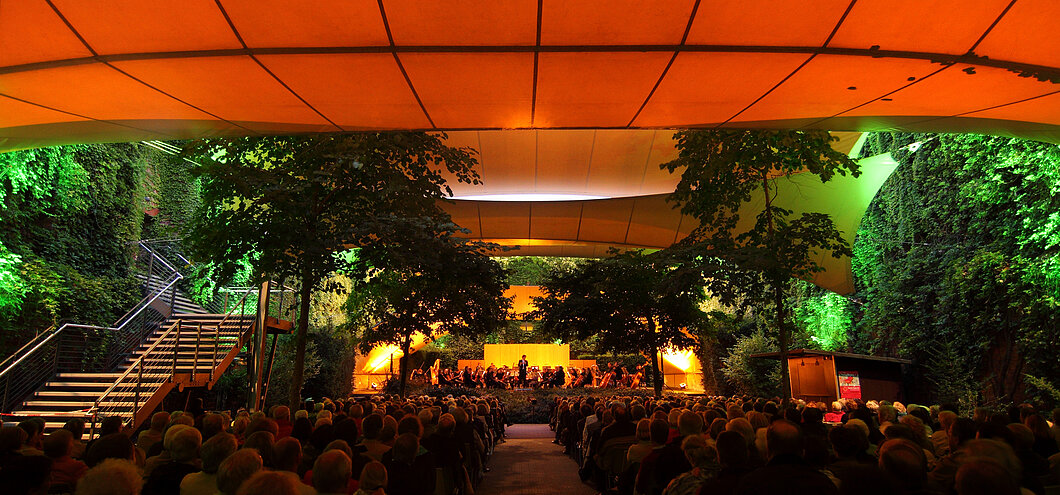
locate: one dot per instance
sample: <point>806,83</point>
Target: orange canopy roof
<point>90,70</point>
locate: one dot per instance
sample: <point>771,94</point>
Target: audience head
<point>159,420</point>
<point>644,430</point>
<point>111,477</point>
<point>332,471</point>
<point>76,427</point>
<point>215,450</point>
<point>946,419</point>
<point>236,469</point>
<point>690,423</point>
<point>12,439</point>
<point>212,424</point>
<point>905,461</point>
<point>732,449</point>
<point>660,431</point>
<point>58,443</point>
<point>113,446</point>
<point>405,448</point>
<point>783,438</point>
<point>182,443</point>
<point>281,413</point>
<point>268,483</point>
<point>410,424</point>
<point>982,476</point>
<point>373,476</point>
<point>697,452</point>
<point>287,454</point>
<point>848,441</point>
<point>262,442</point>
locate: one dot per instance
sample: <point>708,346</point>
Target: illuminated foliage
<point>960,249</point>
<point>826,319</point>
<point>67,214</point>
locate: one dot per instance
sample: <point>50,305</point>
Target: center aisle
<point>529,463</point>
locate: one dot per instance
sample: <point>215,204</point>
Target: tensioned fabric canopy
<point>589,228</point>
<point>120,70</point>
<point>82,70</point>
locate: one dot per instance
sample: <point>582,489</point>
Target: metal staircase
<point>91,372</point>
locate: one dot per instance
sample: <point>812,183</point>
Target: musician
<point>523,366</point>
<point>559,378</point>
<point>468,377</point>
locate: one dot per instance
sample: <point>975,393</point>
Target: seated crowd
<point>715,446</point>
<point>361,447</point>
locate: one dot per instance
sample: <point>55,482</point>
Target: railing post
<point>150,271</point>
<point>176,346</point>
<point>55,356</point>
<point>136,394</point>
<point>216,342</point>
<point>92,432</point>
<point>195,358</point>
<point>172,299</point>
<point>226,302</point>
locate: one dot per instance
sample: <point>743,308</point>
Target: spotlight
<point>374,385</point>
<point>684,386</point>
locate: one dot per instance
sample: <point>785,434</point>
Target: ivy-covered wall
<point>67,214</point>
<point>957,263</point>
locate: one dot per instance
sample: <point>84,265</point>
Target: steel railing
<point>160,364</point>
<point>73,347</point>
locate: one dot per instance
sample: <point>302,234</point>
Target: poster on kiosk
<point>849,385</point>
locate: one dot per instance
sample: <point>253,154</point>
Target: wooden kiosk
<point>827,376</point>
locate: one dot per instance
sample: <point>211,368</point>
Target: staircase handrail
<point>65,326</point>
<point>118,324</point>
<point>139,360</point>
<point>138,363</point>
<point>41,335</point>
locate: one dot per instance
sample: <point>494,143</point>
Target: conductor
<point>523,365</point>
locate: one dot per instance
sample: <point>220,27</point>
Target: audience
<point>623,444</point>
<point>759,446</point>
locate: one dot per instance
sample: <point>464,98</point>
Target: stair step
<point>53,414</point>
<point>96,387</point>
<point>54,393</point>
<point>72,405</point>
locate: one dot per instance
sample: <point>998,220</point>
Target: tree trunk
<point>404,373</point>
<point>301,334</point>
<point>778,297</point>
<point>656,377</point>
<point>782,329</point>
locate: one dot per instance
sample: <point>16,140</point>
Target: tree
<point>723,171</point>
<point>632,302</point>
<point>427,283</point>
<point>297,202</point>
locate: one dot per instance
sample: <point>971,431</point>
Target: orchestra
<point>524,375</point>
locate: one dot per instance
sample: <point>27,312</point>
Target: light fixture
<point>529,197</point>
<point>684,386</point>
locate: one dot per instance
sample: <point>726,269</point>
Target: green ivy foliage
<point>68,214</point>
<point>961,248</point>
